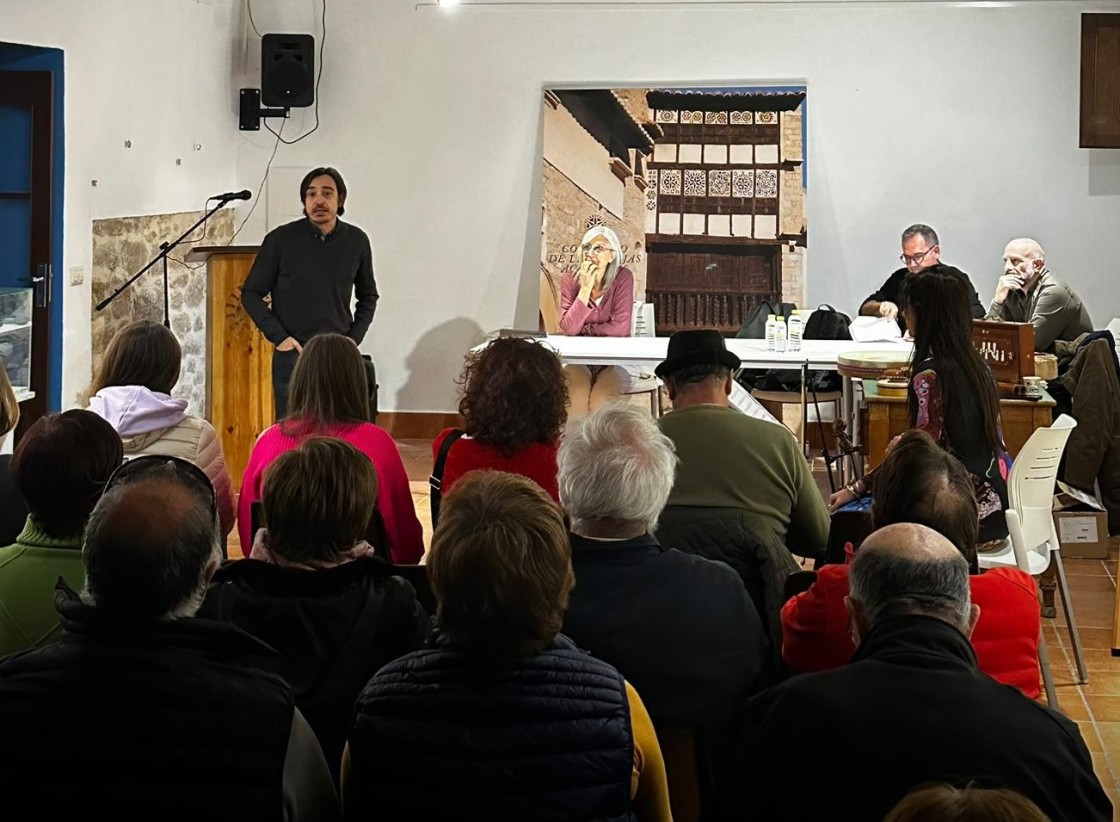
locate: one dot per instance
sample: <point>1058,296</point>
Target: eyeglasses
<point>916,259</point>
<point>151,463</point>
<point>596,249</point>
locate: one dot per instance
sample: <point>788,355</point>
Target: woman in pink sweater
<point>329,397</point>
<point>597,300</point>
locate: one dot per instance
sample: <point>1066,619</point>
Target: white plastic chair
<point>642,325</point>
<point>1032,541</point>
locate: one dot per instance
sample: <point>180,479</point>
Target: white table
<point>639,352</point>
<point>646,352</point>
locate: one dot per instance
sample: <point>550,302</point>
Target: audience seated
<point>921,483</point>
<point>729,460</point>
<point>514,403</point>
<point>502,717</point>
<point>1028,292</point>
<point>132,390</point>
<point>170,715</point>
<point>13,508</point>
<point>679,626</point>
<point>60,466</point>
<point>944,803</point>
<point>313,589</point>
<point>329,396</point>
<point>911,707</point>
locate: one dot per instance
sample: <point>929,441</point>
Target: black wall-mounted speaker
<point>288,70</point>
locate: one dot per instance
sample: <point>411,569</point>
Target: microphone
<point>234,195</point>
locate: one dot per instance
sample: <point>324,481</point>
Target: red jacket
<point>815,634</point>
<point>536,462</point>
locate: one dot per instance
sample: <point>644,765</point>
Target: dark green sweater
<point>730,460</point>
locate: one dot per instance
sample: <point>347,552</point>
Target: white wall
<point>965,118</point>
<point>153,72</point>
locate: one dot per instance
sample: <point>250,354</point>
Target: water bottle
<point>793,329</point>
<point>771,324</point>
<point>780,335</point>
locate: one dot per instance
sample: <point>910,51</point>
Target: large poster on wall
<point>702,188</point>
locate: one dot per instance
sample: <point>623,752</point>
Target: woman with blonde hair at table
<point>596,300</point>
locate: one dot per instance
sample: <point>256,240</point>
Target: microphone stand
<point>164,250</point>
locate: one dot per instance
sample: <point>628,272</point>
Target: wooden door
<point>240,378</point>
<point>709,284</point>
<point>26,163</point>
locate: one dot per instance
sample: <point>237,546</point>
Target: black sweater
<point>311,277</point>
<point>891,291</point>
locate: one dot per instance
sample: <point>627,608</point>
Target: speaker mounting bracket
<point>251,112</point>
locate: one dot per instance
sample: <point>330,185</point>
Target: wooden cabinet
<point>1100,81</point>
<point>884,418</point>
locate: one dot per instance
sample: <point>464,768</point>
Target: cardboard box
<point>1081,523</point>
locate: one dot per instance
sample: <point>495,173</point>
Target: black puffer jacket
<point>440,734</point>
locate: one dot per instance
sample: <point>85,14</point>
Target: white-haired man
<point>679,627</point>
<point>910,707</point>
<point>1028,292</point>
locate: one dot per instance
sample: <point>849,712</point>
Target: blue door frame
<point>16,57</point>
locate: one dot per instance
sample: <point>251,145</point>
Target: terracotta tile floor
<point>1095,706</point>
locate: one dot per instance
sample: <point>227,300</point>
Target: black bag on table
<point>754,326</point>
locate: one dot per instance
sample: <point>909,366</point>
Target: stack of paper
<point>874,329</point>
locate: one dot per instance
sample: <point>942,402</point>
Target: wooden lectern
<point>238,357</point>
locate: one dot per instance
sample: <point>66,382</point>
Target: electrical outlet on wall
<point>77,275</point>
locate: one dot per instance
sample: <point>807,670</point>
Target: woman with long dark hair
<point>952,395</point>
<point>329,397</point>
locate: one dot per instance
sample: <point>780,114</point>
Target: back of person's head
<point>143,353</point>
<point>500,566</point>
<point>153,540</point>
<point>329,386</point>
<point>61,466</point>
<point>906,569</point>
<point>938,302</point>
<point>317,500</point>
<point>945,803</point>
<point>923,483</point>
<point>513,394</point>
<point>616,470</point>
<point>9,405</point>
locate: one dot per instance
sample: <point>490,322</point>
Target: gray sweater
<point>1051,306</point>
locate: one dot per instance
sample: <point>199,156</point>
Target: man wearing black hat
<point>730,460</point>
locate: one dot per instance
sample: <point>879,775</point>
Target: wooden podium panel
<point>239,359</point>
<point>887,417</point>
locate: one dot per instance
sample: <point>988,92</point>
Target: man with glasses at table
<point>921,250</point>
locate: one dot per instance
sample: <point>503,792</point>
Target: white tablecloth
<point>647,352</point>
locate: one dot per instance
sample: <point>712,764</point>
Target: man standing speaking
<point>311,267</point>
